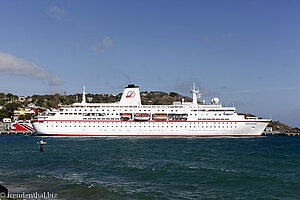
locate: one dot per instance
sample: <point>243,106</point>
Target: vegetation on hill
<point>161,98</point>
<point>281,127</point>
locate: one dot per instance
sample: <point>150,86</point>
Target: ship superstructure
<point>130,118</point>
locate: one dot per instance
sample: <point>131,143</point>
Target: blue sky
<point>245,52</point>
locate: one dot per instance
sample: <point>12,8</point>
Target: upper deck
<point>181,111</point>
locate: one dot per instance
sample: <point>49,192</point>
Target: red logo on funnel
<point>130,94</point>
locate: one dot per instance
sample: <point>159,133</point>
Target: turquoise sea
<point>152,168</point>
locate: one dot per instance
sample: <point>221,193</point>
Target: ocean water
<point>153,168</point>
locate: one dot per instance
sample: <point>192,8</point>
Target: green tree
<point>21,117</point>
<point>3,114</point>
<point>50,104</point>
<point>10,107</point>
<point>174,94</point>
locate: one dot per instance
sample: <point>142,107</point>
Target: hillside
<point>281,127</point>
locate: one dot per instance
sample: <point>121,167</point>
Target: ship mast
<point>83,96</point>
<point>196,94</point>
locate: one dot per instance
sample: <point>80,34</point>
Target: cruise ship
<point>129,117</point>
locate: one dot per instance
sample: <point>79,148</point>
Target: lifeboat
<point>126,116</point>
<point>160,117</point>
<point>142,117</point>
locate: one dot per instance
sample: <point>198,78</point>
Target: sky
<point>247,53</point>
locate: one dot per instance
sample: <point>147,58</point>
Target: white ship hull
<point>151,128</point>
<point>183,119</point>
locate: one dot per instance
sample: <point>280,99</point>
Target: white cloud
<point>107,42</point>
<point>104,45</point>
<point>11,65</point>
<point>56,12</point>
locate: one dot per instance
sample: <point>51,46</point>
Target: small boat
<point>125,116</point>
<point>141,117</point>
<point>22,126</point>
<point>160,117</point>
